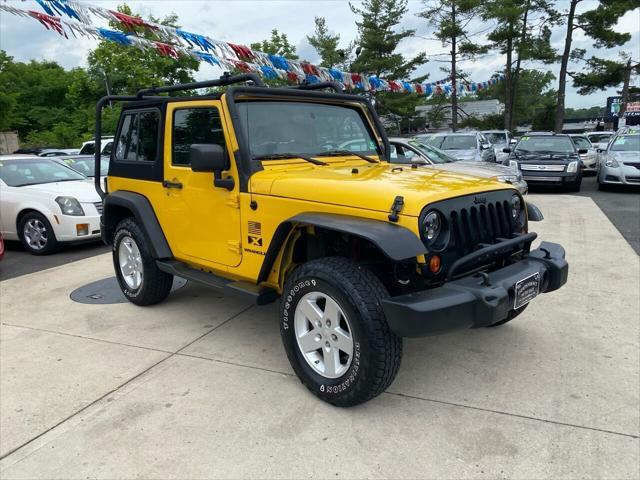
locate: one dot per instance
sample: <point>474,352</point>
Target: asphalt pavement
<point>200,387</point>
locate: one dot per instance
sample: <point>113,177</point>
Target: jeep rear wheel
<point>140,279</point>
<point>335,333</point>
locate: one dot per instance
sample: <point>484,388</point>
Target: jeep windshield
<point>545,144</point>
<point>277,130</point>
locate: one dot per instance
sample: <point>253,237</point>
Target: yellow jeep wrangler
<point>286,193</point>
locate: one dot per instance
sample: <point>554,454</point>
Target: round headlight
<point>516,207</point>
<point>432,226</point>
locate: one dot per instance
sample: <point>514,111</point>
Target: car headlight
<point>611,162</point>
<point>431,227</point>
<point>70,206</point>
<point>513,164</point>
<point>572,167</point>
<point>507,178</point>
<point>516,207</point>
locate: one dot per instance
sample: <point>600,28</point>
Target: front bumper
<point>621,175</point>
<point>551,178</point>
<point>476,300</point>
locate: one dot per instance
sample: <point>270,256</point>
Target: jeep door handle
<point>170,184</point>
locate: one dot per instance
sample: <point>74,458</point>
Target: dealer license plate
<point>526,290</point>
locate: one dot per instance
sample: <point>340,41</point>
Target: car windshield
<point>88,149</point>
<point>453,142</point>
<point>86,166</point>
<point>18,173</point>
<point>496,138</point>
<point>582,142</point>
<point>626,143</point>
<point>432,153</point>
<point>545,143</point>
<point>284,129</point>
<point>599,137</point>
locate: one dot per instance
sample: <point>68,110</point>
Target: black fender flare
<point>534,214</point>
<point>142,211</point>
<point>396,242</point>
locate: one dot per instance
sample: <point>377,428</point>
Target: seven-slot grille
<point>480,224</point>
<point>98,206</point>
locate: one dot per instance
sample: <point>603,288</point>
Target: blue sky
<point>246,21</point>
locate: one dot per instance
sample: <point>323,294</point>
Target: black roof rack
<point>319,86</point>
<point>225,79</point>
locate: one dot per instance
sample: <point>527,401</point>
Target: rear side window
<point>194,125</point>
<point>138,140</point>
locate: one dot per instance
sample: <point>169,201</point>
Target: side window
<point>194,125</point>
<point>138,141</point>
<point>393,152</point>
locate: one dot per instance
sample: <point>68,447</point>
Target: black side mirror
<point>506,150</point>
<point>206,157</point>
<point>582,151</point>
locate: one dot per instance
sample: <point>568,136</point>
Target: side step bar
<point>259,295</point>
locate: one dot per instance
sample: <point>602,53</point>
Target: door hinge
<point>233,201</point>
<point>234,246</point>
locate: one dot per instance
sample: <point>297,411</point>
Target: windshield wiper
<point>335,153</point>
<point>282,156</point>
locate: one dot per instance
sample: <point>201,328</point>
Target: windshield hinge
<point>234,246</point>
<point>233,201</point>
<point>396,208</point>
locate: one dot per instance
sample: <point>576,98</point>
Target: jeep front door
<point>201,221</point>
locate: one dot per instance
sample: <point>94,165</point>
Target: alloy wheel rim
<point>35,234</point>
<point>323,335</point>
<point>130,262</point>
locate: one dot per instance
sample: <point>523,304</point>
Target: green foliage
<point>591,112</point>
<point>378,39</point>
<point>326,44</point>
<point>544,114</point>
<point>488,122</point>
<point>278,44</point>
<point>532,94</point>
<point>601,73</point>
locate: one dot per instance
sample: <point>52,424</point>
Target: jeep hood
<point>368,186</point>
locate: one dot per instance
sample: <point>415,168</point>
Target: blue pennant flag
<point>114,36</point>
<point>312,78</point>
<point>428,89</point>
<point>268,72</point>
<point>375,82</point>
<point>279,62</point>
<point>194,39</point>
<point>407,86</point>
<point>207,57</point>
<point>336,74</point>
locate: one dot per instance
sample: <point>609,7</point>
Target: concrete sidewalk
<point>200,387</point>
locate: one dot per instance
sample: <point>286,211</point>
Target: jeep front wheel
<point>140,279</point>
<point>334,331</point>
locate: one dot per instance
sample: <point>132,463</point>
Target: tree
<point>326,44</point>
<point>278,44</point>
<point>521,32</point>
<point>531,96</point>
<point>602,73</point>
<point>378,40</point>
<point>124,70</point>
<point>451,20</point>
<point>598,23</point>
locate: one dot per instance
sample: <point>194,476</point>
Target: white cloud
<point>246,21</point>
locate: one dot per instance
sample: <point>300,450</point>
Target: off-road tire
<point>512,314</point>
<point>156,284</point>
<point>377,350</point>
<point>52,244</point>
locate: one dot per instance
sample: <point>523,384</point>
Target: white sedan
<point>44,203</point>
